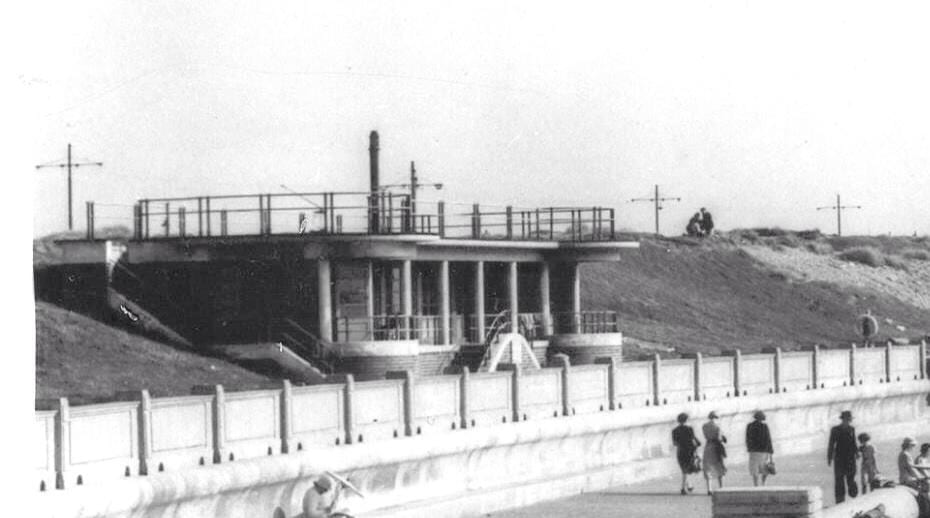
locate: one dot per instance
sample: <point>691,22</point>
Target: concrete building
<point>360,282</point>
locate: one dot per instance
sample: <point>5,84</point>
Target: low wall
<point>478,470</point>
<point>573,419</point>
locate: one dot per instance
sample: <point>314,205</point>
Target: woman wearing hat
<point>714,452</point>
<point>684,440</point>
<point>759,444</point>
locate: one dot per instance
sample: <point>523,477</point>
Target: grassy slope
<point>87,361</point>
<point>706,297</point>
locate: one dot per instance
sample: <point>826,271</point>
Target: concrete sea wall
<point>443,445</point>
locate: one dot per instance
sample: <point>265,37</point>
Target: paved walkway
<point>661,497</point>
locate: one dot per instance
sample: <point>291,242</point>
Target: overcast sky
<point>760,111</point>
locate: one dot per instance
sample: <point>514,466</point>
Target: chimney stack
<point>373,157</point>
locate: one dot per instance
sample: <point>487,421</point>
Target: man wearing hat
<point>842,453</point>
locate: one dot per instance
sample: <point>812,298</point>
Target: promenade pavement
<point>661,497</point>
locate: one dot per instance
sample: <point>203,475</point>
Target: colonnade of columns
<point>325,301</point>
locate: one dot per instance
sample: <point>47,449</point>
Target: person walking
<point>686,443</point>
<point>843,453</point>
<point>714,452</point>
<point>759,445</point>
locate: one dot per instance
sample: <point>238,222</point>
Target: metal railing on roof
<point>335,213</point>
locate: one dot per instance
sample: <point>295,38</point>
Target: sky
<point>759,111</point>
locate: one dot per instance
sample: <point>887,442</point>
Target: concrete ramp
<point>274,359</point>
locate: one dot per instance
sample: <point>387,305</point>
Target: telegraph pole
<point>839,213</point>
<point>657,200</point>
<point>69,164</point>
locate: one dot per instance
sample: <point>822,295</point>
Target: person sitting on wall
<point>707,223</point>
<point>321,500</point>
<point>694,225</point>
<point>909,473</point>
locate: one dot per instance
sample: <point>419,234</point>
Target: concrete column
<point>324,299</point>
<point>567,408</point>
<point>479,300</point>
<point>406,296</point>
<point>444,302</point>
<point>545,299</point>
<point>515,391</point>
<point>513,295</point>
<point>370,298</point>
<point>611,363</point>
<point>576,297</point>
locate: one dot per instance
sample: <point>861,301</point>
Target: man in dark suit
<point>842,453</point>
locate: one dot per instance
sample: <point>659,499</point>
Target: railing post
<point>922,355</point>
<point>737,373</point>
<point>656,386</point>
<point>698,368</point>
<point>287,396</point>
<point>349,421</point>
<point>182,221</point>
<point>137,222</point>
<point>167,219</point>
<point>89,212</point>
<point>408,389</point>
<point>778,371</point>
<point>888,361</point>
<point>146,209</point>
<point>223,227</point>
<point>268,215</point>
<point>551,223</point>
<point>208,217</point>
<point>611,363</point>
<point>199,216</point>
<point>62,441</point>
<point>145,427</point>
<point>567,408</point>
<point>219,424</point>
<point>612,225</point>
<point>815,367</point>
<point>441,218</point>
<point>464,406</point>
<point>509,222</point>
<point>852,364</point>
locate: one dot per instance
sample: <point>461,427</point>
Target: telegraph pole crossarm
<point>657,200</point>
<point>839,208</point>
<point>70,165</point>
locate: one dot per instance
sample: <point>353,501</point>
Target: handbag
<point>695,466</point>
<point>770,467</point>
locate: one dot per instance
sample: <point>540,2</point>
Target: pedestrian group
<point>844,454</point>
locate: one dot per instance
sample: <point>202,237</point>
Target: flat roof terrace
<point>384,224</point>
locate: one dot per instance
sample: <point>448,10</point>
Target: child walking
<point>869,469</point>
